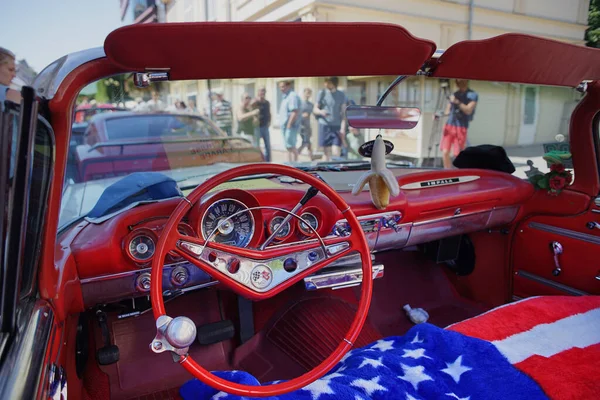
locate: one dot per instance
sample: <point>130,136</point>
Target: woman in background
<point>247,117</point>
<point>8,71</point>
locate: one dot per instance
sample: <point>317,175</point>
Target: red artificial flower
<point>557,168</point>
<point>557,182</point>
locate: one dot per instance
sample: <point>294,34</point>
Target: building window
<point>357,92</point>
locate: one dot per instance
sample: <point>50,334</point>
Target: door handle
<point>593,225</point>
<point>557,249</point>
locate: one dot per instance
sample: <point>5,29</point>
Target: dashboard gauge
<point>284,232</point>
<point>141,246</point>
<point>236,231</point>
<point>312,221</point>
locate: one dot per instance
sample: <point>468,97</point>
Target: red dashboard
<point>432,204</point>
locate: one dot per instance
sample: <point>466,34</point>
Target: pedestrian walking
<point>222,113</point>
<point>329,111</point>
<point>247,118</point>
<point>264,121</point>
<point>289,118</point>
<point>306,109</point>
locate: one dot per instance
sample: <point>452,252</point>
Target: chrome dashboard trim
<point>119,286</point>
<point>126,273</point>
<point>340,278</point>
<point>565,232</point>
<point>453,180</point>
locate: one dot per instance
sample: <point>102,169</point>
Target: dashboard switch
<point>179,276</point>
<point>142,282</point>
<point>341,229</point>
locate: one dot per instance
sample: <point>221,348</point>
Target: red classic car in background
<point>120,143</point>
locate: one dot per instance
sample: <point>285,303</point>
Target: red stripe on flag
<point>523,316</point>
<point>571,374</point>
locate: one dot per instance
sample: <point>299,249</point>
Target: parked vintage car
<point>117,144</point>
<point>83,113</point>
<point>281,278</point>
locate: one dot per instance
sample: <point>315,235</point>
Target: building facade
<point>507,114</point>
<point>141,11</point>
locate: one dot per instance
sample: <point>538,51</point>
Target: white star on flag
<point>416,340</point>
<point>373,363</point>
<point>456,369</point>
<point>416,354</point>
<point>383,345</point>
<point>333,376</point>
<point>319,387</point>
<point>458,398</point>
<point>414,375</point>
<point>369,386</point>
<point>219,395</point>
<point>409,397</point>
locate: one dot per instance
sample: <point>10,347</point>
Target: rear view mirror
<point>382,117</point>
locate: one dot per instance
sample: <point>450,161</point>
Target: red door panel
<point>533,258</point>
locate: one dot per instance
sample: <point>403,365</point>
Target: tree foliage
<point>592,35</point>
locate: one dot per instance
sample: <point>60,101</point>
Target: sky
<point>41,31</point>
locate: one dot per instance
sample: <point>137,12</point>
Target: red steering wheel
<point>259,275</point>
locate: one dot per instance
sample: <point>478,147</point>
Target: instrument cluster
<point>233,217</point>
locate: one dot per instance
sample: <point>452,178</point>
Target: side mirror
<point>382,117</point>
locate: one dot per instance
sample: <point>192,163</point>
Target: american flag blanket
<point>545,347</point>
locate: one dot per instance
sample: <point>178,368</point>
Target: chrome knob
<point>179,276</point>
<point>181,332</point>
<point>142,282</point>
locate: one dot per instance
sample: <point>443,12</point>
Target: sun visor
<point>220,50</point>
<point>522,59</point>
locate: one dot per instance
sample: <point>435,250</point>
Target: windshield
<point>190,130</point>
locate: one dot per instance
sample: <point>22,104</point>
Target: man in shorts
<point>289,118</point>
<point>329,110</point>
<point>306,109</point>
<point>460,111</point>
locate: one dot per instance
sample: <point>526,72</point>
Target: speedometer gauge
<point>228,223</point>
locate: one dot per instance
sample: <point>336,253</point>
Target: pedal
<point>215,332</point>
<point>109,353</point>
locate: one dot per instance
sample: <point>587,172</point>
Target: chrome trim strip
<point>126,273</point>
<point>339,278</point>
<point>566,232</point>
<point>439,182</point>
<point>48,81</point>
<point>596,211</point>
<point>450,217</point>
<point>22,370</point>
<point>552,284</point>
